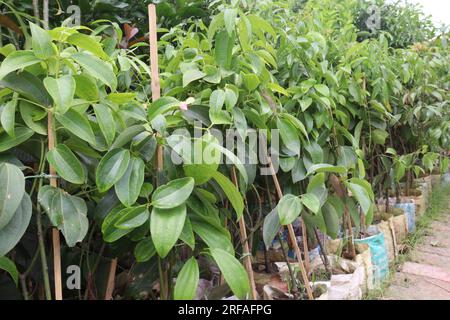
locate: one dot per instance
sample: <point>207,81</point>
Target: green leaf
<point>131,218</point>
<point>230,20</point>
<point>192,75</point>
<point>29,113</point>
<point>28,85</point>
<point>97,68</point>
<point>10,267</point>
<point>331,219</point>
<point>111,168</point>
<point>379,136</point>
<point>187,281</point>
<point>62,91</point>
<point>289,135</point>
<point>11,234</point>
<point>66,164</point>
<point>166,226</point>
<point>173,194</point>
<point>144,250</point>
<point>129,186</point>
<point>305,103</point>
<point>106,122</point>
<point>161,106</point>
<point>233,272</point>
<point>214,236</point>
<point>11,192</point>
<point>22,134</point>
<point>187,235</point>
<point>323,167</point>
<point>8,117</point>
<point>289,208</point>
<point>127,135</point>
<point>310,201</point>
<point>41,41</point>
<point>88,43</point>
<point>67,213</point>
<point>251,81</point>
<point>86,87</point>
<point>109,231</point>
<point>224,49</point>
<point>322,89</point>
<point>271,227</point>
<point>17,60</point>
<point>361,196</point>
<point>78,125</point>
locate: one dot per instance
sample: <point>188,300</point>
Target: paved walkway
<point>426,276</point>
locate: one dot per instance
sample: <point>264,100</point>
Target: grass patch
<point>438,206</point>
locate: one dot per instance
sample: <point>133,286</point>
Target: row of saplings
<point>335,272</point>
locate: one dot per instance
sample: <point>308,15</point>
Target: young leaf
<point>192,75</point>
<point>66,164</point>
<point>187,281</point>
<point>310,201</point>
<point>289,135</point>
<point>62,91</point>
<point>111,168</point>
<point>41,41</point>
<point>166,226</point>
<point>224,48</point>
<point>97,68</point>
<point>17,60</point>
<point>233,272</point>
<point>289,208</point>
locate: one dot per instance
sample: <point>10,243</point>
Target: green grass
<point>438,206</point>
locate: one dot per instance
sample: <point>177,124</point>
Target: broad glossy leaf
<point>41,41</point>
<point>106,122</point>
<point>11,191</point>
<point>310,201</point>
<point>173,194</point>
<point>166,226</point>
<point>213,236</point>
<point>187,281</point>
<point>192,75</point>
<point>161,106</point>
<point>233,272</point>
<point>230,20</point>
<point>28,85</point>
<point>323,167</point>
<point>224,48</point>
<point>78,125</point>
<point>187,235</point>
<point>88,43</point>
<point>289,135</point>
<point>289,208</point>
<point>331,219</point>
<point>29,112</point>
<point>271,227</point>
<point>129,186</point>
<point>11,234</point>
<point>66,164</point>
<point>97,68</point>
<point>9,266</point>
<point>17,60</point>
<point>144,250</point>
<point>62,90</point>
<point>111,168</point>
<point>109,231</point>
<point>131,218</point>
<point>86,87</point>
<point>127,135</point>
<point>361,196</point>
<point>22,134</point>
<point>8,117</point>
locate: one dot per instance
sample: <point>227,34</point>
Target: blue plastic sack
<point>410,211</point>
<point>378,254</point>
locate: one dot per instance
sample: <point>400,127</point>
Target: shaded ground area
<point>425,273</point>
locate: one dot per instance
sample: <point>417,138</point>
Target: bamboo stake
<point>55,232</point>
<point>111,279</point>
<point>245,247</point>
<point>45,14</point>
<point>292,235</point>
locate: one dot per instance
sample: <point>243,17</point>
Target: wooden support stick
<point>292,235</point>
<point>111,280</point>
<point>245,247</point>
<point>55,232</point>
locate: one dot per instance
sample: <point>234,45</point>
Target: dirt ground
<point>426,275</point>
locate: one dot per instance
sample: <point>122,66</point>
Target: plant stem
<point>111,279</point>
